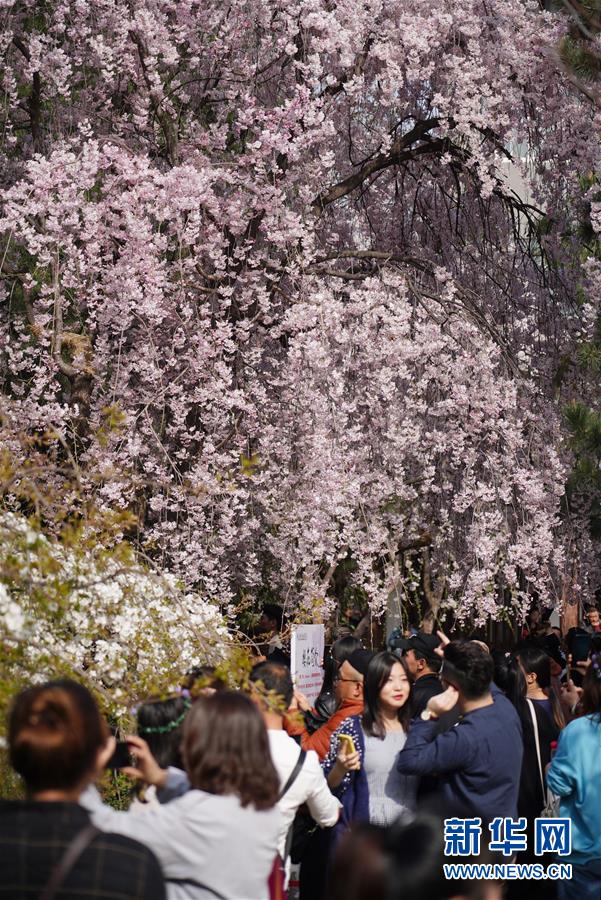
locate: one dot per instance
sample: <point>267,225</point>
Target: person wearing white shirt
<point>220,838</point>
<point>272,690</point>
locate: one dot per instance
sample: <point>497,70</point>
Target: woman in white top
<point>367,781</point>
<point>218,840</point>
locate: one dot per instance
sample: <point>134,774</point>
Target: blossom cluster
<point>100,617</point>
<point>269,281</point>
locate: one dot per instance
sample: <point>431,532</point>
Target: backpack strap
<point>78,844</point>
<point>294,774</point>
<point>537,742</point>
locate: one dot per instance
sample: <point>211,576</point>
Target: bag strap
<point>78,844</point>
<point>294,774</point>
<point>198,884</point>
<point>537,742</point>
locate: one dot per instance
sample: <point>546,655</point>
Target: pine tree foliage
<point>580,56</point>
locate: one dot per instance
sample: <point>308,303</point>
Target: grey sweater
<point>389,792</point>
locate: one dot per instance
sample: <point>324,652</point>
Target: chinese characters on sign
<point>310,658</point>
<point>507,836</point>
<point>306,658</point>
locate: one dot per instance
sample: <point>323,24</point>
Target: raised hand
<point>348,761</point>
<point>146,767</point>
<point>444,640</point>
<point>301,701</point>
<point>345,762</point>
<point>570,694</point>
<point>442,703</point>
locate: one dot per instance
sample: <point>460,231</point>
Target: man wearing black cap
<point>423,664</point>
<point>348,687</point>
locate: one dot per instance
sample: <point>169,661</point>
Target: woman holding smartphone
<point>361,763</point>
<point>215,832</point>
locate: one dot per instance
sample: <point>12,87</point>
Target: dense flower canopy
<point>291,279</point>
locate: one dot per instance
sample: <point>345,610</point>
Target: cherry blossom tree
<point>289,282</point>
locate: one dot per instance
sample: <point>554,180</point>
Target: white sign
<point>306,658</point>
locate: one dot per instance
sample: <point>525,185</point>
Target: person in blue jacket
<point>575,776</point>
<point>479,759</point>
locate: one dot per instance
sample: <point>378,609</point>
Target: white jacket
<point>310,785</point>
<point>210,839</point>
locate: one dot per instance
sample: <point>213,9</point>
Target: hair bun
<point>48,713</point>
<point>54,734</point>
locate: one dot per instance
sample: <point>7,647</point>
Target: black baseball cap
<point>424,644</point>
<point>360,659</point>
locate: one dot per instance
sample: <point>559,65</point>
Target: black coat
<point>531,798</point>
<point>424,689</point>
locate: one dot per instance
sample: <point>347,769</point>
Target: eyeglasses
<point>349,680</point>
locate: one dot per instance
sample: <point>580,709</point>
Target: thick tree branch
<point>422,540</point>
<point>21,47</point>
<point>432,592</point>
<point>34,101</point>
<point>402,150</point>
<point>167,126</point>
<point>56,344</point>
<point>356,70</point>
<point>382,256</point>
<point>586,21</point>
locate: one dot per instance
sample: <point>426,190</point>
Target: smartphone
<point>581,644</point>
<point>346,743</point>
<point>121,757</point>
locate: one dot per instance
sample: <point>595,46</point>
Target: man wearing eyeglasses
<point>348,688</point>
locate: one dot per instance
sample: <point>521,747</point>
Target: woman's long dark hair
<point>590,702</point>
<point>510,678</point>
<point>536,660</point>
<point>378,673</point>
<point>226,750</point>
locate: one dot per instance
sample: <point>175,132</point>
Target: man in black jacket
<point>423,664</point>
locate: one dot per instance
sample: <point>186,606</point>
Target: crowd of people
<point>232,786</point>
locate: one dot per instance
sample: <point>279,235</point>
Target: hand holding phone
<point>143,766</point>
<point>121,758</point>
<point>348,758</point>
<point>346,744</point>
